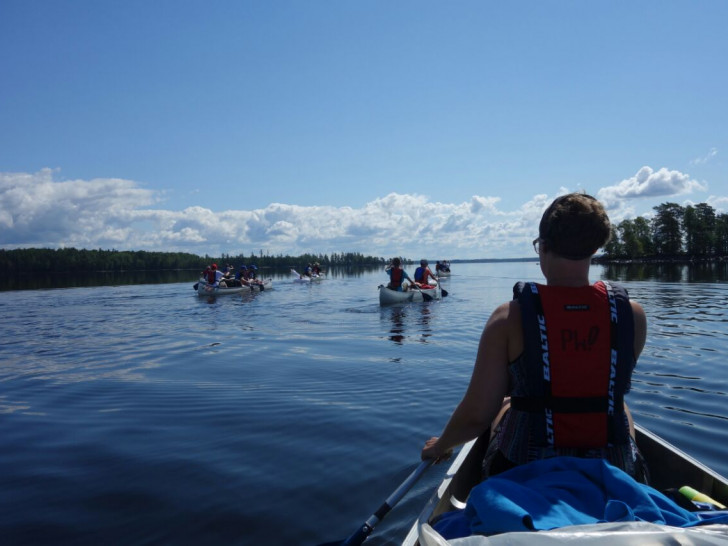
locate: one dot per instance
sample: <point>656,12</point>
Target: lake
<point>145,414</point>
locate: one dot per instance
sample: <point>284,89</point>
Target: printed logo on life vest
<point>549,426</point>
<point>612,303</point>
<point>544,348</point>
<point>576,307</point>
<point>570,339</point>
<point>612,380</point>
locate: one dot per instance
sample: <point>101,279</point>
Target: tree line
<point>72,260</point>
<point>693,231</point>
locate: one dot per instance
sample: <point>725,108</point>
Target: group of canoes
<point>214,282</point>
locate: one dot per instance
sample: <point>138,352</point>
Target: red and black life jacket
<point>579,346</point>
<point>396,277</point>
<point>212,276</point>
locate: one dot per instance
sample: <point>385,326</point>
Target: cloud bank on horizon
<point>39,211</point>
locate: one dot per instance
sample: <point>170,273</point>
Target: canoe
<point>205,289</point>
<point>389,297</point>
<point>669,468</point>
<point>259,285</point>
<point>445,271</point>
<point>305,279</point>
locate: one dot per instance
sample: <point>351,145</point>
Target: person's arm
<point>486,391</point>
<point>640,328</point>
<point>640,337</point>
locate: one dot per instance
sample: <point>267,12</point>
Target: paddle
<point>361,534</point>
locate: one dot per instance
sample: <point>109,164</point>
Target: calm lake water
<point>144,414</point>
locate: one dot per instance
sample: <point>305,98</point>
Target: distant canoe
<point>301,279</point>
<point>206,289</point>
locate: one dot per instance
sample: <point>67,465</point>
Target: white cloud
<point>648,183</point>
<point>720,204</point>
<point>704,159</point>
<point>38,211</point>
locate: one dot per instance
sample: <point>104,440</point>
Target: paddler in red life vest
<point>423,273</point>
<point>558,358</point>
<point>397,275</point>
<point>213,275</point>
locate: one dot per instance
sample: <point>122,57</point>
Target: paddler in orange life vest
<point>397,275</point>
<point>557,359</point>
<point>423,273</point>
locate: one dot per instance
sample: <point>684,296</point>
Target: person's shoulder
<point>502,314</point>
<point>636,307</point>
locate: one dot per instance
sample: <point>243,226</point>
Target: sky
<point>415,128</point>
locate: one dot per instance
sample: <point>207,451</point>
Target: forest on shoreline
<point>674,234</point>
<point>71,260</point>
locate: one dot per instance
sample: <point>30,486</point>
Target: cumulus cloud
<point>648,183</point>
<point>38,211</point>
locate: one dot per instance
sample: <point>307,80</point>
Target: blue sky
<point>414,128</point>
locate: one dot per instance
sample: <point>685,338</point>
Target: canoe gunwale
<point>674,464</point>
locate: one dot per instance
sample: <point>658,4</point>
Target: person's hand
<point>433,451</point>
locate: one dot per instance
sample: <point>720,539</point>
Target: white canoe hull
<point>304,279</point>
<point>205,289</point>
<point>389,297</point>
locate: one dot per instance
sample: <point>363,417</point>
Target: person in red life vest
<point>397,275</point>
<point>556,360</point>
<point>423,273</point>
<point>215,276</point>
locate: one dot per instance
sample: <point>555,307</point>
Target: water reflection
<point>41,281</point>
<point>398,314</point>
<point>668,272</point>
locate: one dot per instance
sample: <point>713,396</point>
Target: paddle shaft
<point>442,290</point>
<point>367,527</point>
